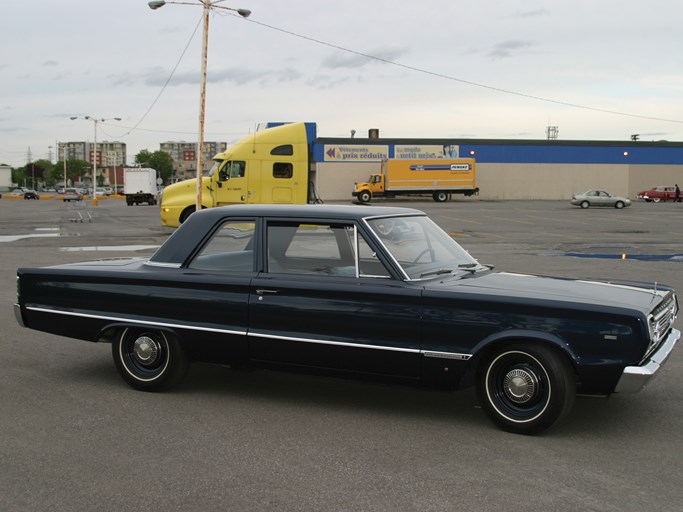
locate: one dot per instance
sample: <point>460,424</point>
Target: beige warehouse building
<point>508,169</point>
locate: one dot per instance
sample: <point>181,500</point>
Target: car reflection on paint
<point>595,197</point>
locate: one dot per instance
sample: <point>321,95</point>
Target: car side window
<point>231,248</point>
<point>320,249</point>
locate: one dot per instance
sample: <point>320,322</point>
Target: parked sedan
<point>31,194</point>
<point>599,198</point>
<point>658,194</point>
<point>371,293</point>
<point>72,194</point>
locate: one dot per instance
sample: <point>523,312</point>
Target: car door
<point>212,295</point>
<point>315,306</point>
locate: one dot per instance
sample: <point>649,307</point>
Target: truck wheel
<point>525,389</point>
<point>186,213</point>
<point>365,196</point>
<point>440,197</point>
<point>149,360</point>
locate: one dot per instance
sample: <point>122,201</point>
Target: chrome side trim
<point>446,355</point>
<point>634,378</point>
<point>134,320</point>
<point>332,342</point>
<point>426,353</point>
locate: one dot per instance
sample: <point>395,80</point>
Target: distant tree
<point>75,170</point>
<point>39,171</point>
<point>159,160</point>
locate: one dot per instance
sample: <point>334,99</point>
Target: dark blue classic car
<point>359,291</point>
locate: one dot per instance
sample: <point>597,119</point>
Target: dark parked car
<point>31,194</point>
<point>374,293</point>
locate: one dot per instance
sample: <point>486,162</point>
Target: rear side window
<point>231,248</point>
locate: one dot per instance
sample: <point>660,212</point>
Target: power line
<point>460,80</point>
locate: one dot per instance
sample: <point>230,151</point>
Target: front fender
<point>524,335</point>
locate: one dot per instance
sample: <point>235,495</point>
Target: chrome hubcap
<point>520,385</point>
<point>146,350</point>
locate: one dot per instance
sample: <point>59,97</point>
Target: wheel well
<point>111,332</point>
<point>499,345</point>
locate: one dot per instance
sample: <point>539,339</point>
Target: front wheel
<point>525,389</point>
<point>585,204</point>
<point>619,205</point>
<point>148,359</point>
<point>186,213</point>
<point>365,196</point>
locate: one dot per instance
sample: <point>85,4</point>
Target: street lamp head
<point>244,12</point>
<point>73,117</point>
<point>155,4</point>
<point>117,119</point>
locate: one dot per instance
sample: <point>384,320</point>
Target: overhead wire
<point>392,63</point>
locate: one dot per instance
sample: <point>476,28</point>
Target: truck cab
<point>268,167</point>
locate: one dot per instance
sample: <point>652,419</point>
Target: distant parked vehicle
<point>31,194</point>
<point>72,194</point>
<point>599,198</point>
<point>657,194</point>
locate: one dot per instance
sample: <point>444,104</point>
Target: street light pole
<point>94,152</point>
<point>207,6</point>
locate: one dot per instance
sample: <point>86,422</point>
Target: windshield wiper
<point>437,272</point>
<point>470,267</point>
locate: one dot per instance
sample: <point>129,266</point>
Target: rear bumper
<point>634,378</point>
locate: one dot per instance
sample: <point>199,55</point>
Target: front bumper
<point>634,378</point>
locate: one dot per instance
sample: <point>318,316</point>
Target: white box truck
<point>140,185</point>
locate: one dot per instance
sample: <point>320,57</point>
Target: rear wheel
<point>440,197</point>
<point>148,359</point>
<point>525,389</point>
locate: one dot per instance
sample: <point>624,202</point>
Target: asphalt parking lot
<point>74,437</point>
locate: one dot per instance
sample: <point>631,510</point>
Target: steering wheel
<point>385,226</point>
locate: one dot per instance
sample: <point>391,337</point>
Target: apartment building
<point>184,155</point>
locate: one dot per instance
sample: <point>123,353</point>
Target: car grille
<point>661,320</point>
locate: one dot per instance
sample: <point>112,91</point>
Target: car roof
<point>184,240</point>
<point>351,212</point>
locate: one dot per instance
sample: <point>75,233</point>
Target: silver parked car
<point>599,198</point>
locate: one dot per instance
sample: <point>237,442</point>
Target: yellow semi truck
<point>269,166</point>
<point>440,178</point>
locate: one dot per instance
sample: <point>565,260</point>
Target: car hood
<point>527,287</point>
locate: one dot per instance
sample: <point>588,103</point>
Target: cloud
<point>356,60</point>
<point>530,14</point>
<point>50,63</point>
<point>506,48</point>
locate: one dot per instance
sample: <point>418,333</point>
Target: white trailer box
<point>5,178</point>
<point>140,185</point>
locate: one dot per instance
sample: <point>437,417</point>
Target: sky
<point>483,69</point>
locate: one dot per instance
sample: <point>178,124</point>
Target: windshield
<point>422,248</point>
<point>214,167</point>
